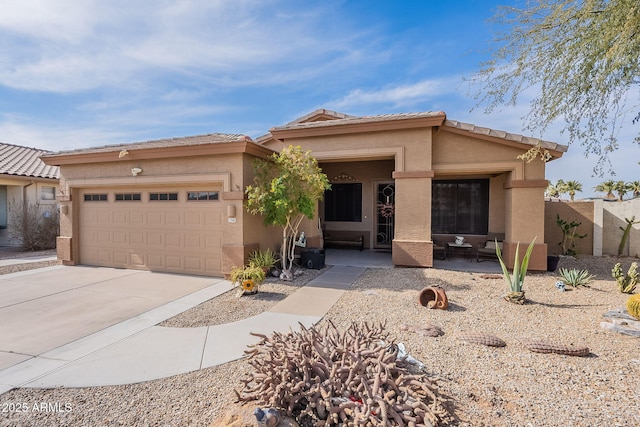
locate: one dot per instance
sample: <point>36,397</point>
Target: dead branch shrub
<point>324,377</point>
<point>35,227</point>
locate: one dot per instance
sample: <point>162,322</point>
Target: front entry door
<point>385,213</point>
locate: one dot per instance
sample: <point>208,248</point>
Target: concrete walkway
<point>136,350</point>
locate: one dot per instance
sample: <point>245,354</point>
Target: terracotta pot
<point>434,297</point>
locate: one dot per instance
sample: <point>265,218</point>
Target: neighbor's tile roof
<point>212,138</point>
<point>359,119</point>
<point>25,161</point>
<point>504,135</point>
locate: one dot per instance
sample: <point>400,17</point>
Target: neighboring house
<point>24,180</point>
<point>398,180</point>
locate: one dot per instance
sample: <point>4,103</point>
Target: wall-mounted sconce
<point>231,214</point>
<point>136,171</point>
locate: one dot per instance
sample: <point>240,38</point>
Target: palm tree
<point>607,187</point>
<point>621,188</point>
<point>634,186</point>
<point>571,187</point>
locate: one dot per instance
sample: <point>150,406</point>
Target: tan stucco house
<point>398,180</point>
<point>24,180</point>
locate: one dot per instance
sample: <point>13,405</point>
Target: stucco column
<point>64,242</point>
<point>234,252</point>
<point>598,221</point>
<point>412,245</point>
<point>524,221</point>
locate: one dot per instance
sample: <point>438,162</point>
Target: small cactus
<point>633,306</point>
<point>481,338</point>
<point>548,347</point>
<point>626,282</point>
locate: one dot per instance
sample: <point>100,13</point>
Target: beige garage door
<point>160,229</point>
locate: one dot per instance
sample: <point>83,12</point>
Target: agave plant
<point>515,281</point>
<point>575,278</point>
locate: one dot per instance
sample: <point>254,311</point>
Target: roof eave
<point>247,147</point>
<point>556,150</point>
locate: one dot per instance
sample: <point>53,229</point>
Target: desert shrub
<point>633,306</point>
<point>575,278</point>
<point>626,282</point>
<point>36,227</point>
<point>328,377</point>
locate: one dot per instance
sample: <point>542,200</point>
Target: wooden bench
<point>357,241</point>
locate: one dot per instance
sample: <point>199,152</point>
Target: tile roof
<point>504,135</point>
<point>24,161</point>
<point>319,115</point>
<point>330,118</point>
<point>359,119</point>
<point>211,138</point>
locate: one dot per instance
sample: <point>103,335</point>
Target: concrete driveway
<point>43,309</point>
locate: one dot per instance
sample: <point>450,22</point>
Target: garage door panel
<point>193,218</point>
<point>119,218</point>
<point>156,261</point>
<point>174,262</point>
<point>174,240</point>
<point>194,263</point>
<point>103,237</point>
<point>136,217</point>
<point>120,237</point>
<point>104,256</point>
<point>212,242</point>
<point>154,218</point>
<point>174,236</point>
<point>212,219</point>
<point>137,238</point>
<point>121,258</point>
<point>172,218</point>
<point>103,217</point>
<point>155,240</point>
<point>193,242</point>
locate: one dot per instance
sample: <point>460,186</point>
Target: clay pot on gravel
<point>434,297</point>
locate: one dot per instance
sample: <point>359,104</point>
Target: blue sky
<point>81,73</point>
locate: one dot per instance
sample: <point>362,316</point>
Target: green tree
<point>561,186</point>
<point>286,189</point>
<point>582,58</point>
<point>557,189</point>
<point>621,188</point>
<point>607,187</point>
<point>634,186</point>
<point>571,187</point>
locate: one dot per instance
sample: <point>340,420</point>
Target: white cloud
<point>56,138</point>
<point>70,46</point>
<point>400,95</point>
<point>46,20</point>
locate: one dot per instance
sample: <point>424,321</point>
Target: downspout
<point>25,208</point>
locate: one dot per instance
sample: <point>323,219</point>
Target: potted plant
<point>515,282</point>
<point>264,259</point>
<point>248,278</point>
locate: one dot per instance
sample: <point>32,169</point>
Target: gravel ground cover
<point>228,307</point>
<point>10,252</point>
<point>508,386</point>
